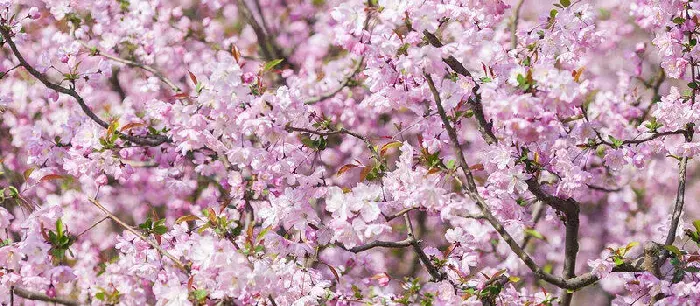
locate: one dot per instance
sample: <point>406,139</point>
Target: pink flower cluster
<point>335,152</point>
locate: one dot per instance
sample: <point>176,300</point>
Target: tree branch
<point>432,269</point>
<point>538,213</point>
<point>141,66</point>
<point>380,244</point>
<point>409,241</point>
<point>269,49</point>
<point>602,141</point>
<point>655,91</point>
<point>343,84</point>
<point>572,283</point>
<point>680,199</point>
<point>571,210</point>
<point>35,296</point>
<point>129,228</point>
<point>514,25</point>
<point>368,143</point>
<point>148,140</point>
<point>484,126</point>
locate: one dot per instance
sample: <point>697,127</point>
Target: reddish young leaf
<point>51,177</point>
<point>131,126</point>
<point>345,168</point>
<point>193,78</point>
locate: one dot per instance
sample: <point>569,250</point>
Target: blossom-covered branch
<point>335,152</point>
<point>148,140</point>
<point>35,296</point>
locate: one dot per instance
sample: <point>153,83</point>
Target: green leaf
<point>553,13</point>
<point>653,125</point>
<point>160,229</point>
<point>451,164</point>
<point>200,294</point>
<point>264,232</point>
<point>147,225</point>
<point>64,241</point>
<point>696,224</point>
<point>100,296</point>
<point>565,3</point>
<point>534,233</point>
<point>13,191</point>
<point>616,143</point>
<point>59,227</point>
<point>271,64</point>
<point>630,246</point>
<point>678,20</point>
<point>53,239</point>
<point>485,79</point>
<point>693,85</point>
<point>618,260</point>
<point>673,249</point>
<point>675,261</point>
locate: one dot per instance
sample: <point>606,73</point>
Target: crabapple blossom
<point>336,152</point>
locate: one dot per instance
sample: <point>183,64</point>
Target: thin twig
<point>628,142</point>
<point>92,226</point>
<point>267,46</point>
<point>131,229</point>
<point>141,66</point>
<point>365,139</point>
<point>342,85</point>
<point>399,213</point>
<point>656,97</point>
<point>538,213</point>
<point>514,25</point>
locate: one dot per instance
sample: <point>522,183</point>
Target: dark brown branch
<point>640,141</point>
<point>365,139</point>
<point>568,206</point>
<point>269,49</point>
<point>474,195</point>
<point>149,140</point>
<point>35,296</point>
<point>116,85</point>
<point>571,210</point>
<point>484,126</point>
<point>603,189</point>
<point>572,283</point>
<point>409,241</point>
<point>432,269</point>
<point>399,214</point>
<point>381,244</point>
